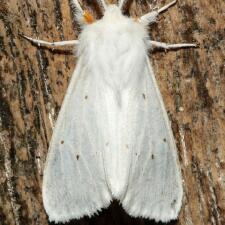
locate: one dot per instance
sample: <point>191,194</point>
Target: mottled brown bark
<point>33,82</point>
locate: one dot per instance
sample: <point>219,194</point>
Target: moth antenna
<point>77,5</point>
<point>83,16</point>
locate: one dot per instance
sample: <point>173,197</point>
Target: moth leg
<point>50,44</point>
<point>152,16</point>
<point>166,46</point>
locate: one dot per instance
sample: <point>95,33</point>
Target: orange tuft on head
<point>88,18</point>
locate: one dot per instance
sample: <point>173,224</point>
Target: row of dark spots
<point>77,156</point>
<point>152,155</point>
<point>143,95</point>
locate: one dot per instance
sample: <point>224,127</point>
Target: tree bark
<point>33,82</point>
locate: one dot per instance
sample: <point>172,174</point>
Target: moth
<point>112,138</point>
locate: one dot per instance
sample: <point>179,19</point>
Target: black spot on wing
<point>143,95</point>
<point>173,203</point>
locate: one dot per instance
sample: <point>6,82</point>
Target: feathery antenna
<point>77,5</point>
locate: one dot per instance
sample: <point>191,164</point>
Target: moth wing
<point>154,188</point>
<point>74,182</point>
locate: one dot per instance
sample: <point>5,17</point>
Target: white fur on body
<point>112,139</point>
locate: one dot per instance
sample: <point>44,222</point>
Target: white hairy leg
<point>152,16</point>
<point>166,46</point>
<point>51,44</point>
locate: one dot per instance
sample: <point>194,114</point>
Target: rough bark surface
<point>33,82</point>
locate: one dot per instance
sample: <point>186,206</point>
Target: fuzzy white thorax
<point>114,49</point>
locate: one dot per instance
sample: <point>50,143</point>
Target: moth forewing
<point>112,138</point>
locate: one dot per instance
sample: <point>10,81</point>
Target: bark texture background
<point>33,82</point>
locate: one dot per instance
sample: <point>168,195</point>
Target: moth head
<point>112,11</point>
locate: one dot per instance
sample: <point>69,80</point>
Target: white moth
<point>113,139</point>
